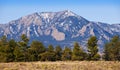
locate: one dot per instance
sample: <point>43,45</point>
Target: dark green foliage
<point>2,57</point>
<point>67,54</point>
<point>112,49</point>
<point>11,51</point>
<point>6,50</point>
<point>38,47</point>
<point>7,53</point>
<point>24,38</point>
<point>3,43</point>
<point>35,49</point>
<point>19,54</point>
<point>49,55</point>
<point>50,48</point>
<point>23,44</point>
<point>93,49</point>
<point>78,53</point>
<point>58,52</point>
<point>4,40</point>
<point>12,43</point>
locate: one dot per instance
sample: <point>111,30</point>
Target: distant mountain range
<point>59,28</point>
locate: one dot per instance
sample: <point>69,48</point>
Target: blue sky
<point>107,11</point>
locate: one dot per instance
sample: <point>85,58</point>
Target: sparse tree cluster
<point>21,51</point>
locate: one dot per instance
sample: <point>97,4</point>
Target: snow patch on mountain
<point>69,13</point>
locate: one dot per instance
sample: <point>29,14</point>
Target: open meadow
<point>62,65</point>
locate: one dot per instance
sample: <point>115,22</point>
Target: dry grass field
<point>69,65</point>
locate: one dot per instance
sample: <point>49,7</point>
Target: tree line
<point>20,51</point>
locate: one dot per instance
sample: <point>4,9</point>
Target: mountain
<point>59,28</point>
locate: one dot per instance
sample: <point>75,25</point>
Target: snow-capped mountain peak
<point>69,13</point>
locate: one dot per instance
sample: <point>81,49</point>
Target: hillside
<point>59,28</point>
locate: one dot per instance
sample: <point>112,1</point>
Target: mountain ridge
<point>59,28</point>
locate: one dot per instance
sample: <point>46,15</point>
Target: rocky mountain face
<point>59,28</point>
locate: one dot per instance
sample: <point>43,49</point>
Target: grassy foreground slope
<point>75,65</point>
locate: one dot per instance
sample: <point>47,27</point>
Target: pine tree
<point>49,55</point>
<point>67,54</point>
<point>78,53</point>
<point>112,49</point>
<point>58,52</point>
<point>3,43</point>
<point>2,54</point>
<point>24,39</point>
<point>4,40</point>
<point>23,44</point>
<point>35,49</point>
<point>19,54</point>
<point>93,49</point>
<point>116,47</point>
<point>50,48</point>
<point>9,50</point>
<point>6,50</point>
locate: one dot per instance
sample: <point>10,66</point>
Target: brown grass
<point>69,65</point>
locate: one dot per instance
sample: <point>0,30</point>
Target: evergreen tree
<point>58,52</point>
<point>50,48</point>
<point>8,54</point>
<point>23,44</point>
<point>78,53</point>
<point>49,55</point>
<point>4,40</point>
<point>36,49</point>
<point>3,43</point>
<point>2,59</point>
<point>116,47</point>
<point>93,49</point>
<point>6,50</point>
<point>67,54</point>
<point>9,50</point>
<point>12,44</point>
<point>112,49</point>
<point>24,39</point>
<point>2,54</point>
<point>19,54</point>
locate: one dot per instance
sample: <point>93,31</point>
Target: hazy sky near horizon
<point>107,11</point>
